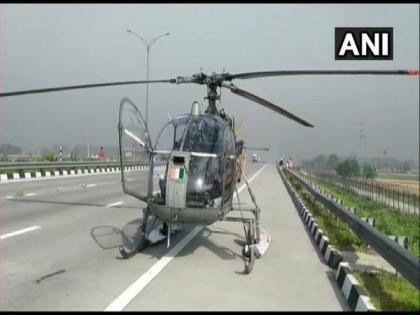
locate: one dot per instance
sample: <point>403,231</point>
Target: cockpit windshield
<point>195,144</point>
<point>204,134</point>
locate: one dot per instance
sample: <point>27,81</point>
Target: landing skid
<point>154,236</point>
<point>257,240</point>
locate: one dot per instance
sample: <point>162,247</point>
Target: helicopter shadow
<point>109,237</point>
<point>203,239</point>
<point>211,238</point>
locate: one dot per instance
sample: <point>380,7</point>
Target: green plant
<point>388,221</point>
<point>369,171</point>
<point>73,156</point>
<point>339,234</point>
<point>389,292</point>
<point>20,192</point>
<point>50,157</point>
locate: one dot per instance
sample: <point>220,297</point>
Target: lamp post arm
<point>147,45</point>
<point>152,41</point>
<point>144,41</point>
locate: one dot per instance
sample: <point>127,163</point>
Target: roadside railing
<point>12,166</point>
<point>24,170</point>
<point>403,199</point>
<point>400,258</point>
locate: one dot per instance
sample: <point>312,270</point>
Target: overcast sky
<point>44,45</point>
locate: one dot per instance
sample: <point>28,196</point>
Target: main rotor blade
<point>266,103</point>
<point>251,75</point>
<point>83,86</point>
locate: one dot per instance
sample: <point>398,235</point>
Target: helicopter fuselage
<point>199,155</point>
<point>198,182</point>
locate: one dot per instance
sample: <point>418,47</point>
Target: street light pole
<point>147,45</point>
<point>147,87</point>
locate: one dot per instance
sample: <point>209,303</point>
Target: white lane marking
<point>25,195</point>
<point>29,229</point>
<point>114,204</point>
<point>91,185</point>
<point>252,178</point>
<point>133,290</point>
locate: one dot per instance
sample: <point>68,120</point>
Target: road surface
<point>59,240</point>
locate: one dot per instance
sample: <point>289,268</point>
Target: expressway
<point>59,240</point>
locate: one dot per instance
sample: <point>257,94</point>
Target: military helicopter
<point>200,159</point>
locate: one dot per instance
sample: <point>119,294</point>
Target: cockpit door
<point>135,147</point>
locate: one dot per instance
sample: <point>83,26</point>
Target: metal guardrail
<point>12,166</point>
<point>398,197</point>
<point>400,258</point>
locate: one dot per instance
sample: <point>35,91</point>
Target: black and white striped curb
<point>355,295</point>
<point>331,255</point>
<point>400,258</point>
<point>370,221</point>
<point>401,240</point>
<point>72,172</point>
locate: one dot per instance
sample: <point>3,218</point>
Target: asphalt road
<point>59,240</point>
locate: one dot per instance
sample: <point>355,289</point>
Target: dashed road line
<point>133,290</point>
<point>24,195</point>
<point>114,204</point>
<point>18,232</point>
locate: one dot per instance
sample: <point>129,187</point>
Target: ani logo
<point>363,43</point>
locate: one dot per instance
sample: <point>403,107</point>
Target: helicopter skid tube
<point>197,216</point>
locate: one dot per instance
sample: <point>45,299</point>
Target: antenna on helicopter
<point>195,109</point>
<point>220,93</point>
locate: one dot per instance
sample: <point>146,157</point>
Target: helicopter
<point>201,158</point>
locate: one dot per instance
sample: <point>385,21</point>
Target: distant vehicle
<point>255,157</point>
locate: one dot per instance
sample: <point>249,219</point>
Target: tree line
<point>352,167</point>
<point>52,153</point>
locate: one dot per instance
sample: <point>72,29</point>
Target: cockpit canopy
<point>198,154</point>
<point>201,133</point>
<point>210,144</point>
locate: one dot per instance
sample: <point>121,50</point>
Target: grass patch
<point>389,292</point>
<point>388,220</point>
<point>20,193</point>
<point>414,177</point>
<point>339,234</point>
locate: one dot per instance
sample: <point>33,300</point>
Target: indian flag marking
<point>177,173</point>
